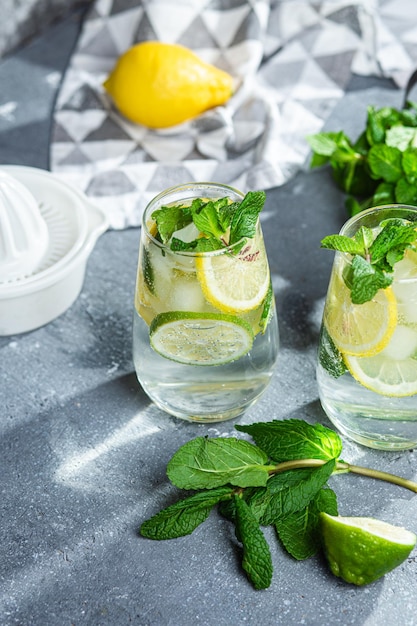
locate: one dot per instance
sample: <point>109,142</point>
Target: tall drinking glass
<point>205,332</point>
<point>367,363</point>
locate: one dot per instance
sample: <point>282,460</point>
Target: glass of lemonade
<point>367,361</point>
<point>205,331</point>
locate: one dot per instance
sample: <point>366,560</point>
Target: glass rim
<point>374,210</point>
<point>355,218</point>
<point>187,187</point>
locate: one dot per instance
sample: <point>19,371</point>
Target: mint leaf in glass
<point>365,279</point>
<point>169,219</point>
<point>244,219</point>
<point>208,222</point>
<point>220,223</point>
<point>330,358</point>
<point>373,256</point>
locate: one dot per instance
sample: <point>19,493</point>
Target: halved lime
<point>362,549</point>
<point>200,338</point>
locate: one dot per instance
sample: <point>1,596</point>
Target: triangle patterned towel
<point>291,58</point>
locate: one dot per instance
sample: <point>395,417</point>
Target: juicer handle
<point>97,224</point>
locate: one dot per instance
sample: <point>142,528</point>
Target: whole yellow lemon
<point>159,84</point>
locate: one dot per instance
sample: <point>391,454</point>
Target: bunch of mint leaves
<point>280,480</point>
<point>373,256</point>
<point>220,223</point>
<point>380,167</point>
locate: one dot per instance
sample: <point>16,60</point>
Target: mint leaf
<point>245,219</point>
<point>342,243</point>
<point>289,497</point>
<point>219,222</point>
<point>406,192</point>
<point>364,237</point>
<point>385,193</point>
<point>257,561</point>
<point>203,244</point>
<point>372,269</point>
<point>401,137</point>
<point>326,144</point>
<point>385,162</point>
<point>204,463</point>
<point>394,235</point>
<point>383,153</point>
<point>226,210</point>
<point>267,309</point>
<point>409,163</point>
<point>183,517</point>
<point>208,222</point>
<point>147,268</point>
<point>366,280</point>
<point>291,439</point>
<point>170,219</point>
<point>299,532</point>
<point>330,358</point>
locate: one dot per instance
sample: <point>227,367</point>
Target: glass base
<point>358,428</point>
<point>204,404</point>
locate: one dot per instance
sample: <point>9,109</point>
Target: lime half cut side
<point>362,549</point>
<point>200,338</point>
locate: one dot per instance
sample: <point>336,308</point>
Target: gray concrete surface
<point>22,20</point>
<point>83,452</point>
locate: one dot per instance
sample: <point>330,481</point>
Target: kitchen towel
<point>292,59</point>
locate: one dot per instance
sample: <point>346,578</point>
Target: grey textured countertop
<point>83,452</point>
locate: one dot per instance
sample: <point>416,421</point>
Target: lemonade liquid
<point>377,405</point>
<point>170,281</point>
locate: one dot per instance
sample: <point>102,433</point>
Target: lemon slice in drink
<point>200,338</point>
<point>392,372</point>
<point>360,329</point>
<point>235,283</point>
<point>362,549</point>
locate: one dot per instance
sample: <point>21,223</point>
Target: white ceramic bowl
<point>74,225</point>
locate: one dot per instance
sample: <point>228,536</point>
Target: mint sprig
<point>329,356</point>
<point>373,257</point>
<point>220,223</point>
<point>281,480</point>
<point>380,166</point>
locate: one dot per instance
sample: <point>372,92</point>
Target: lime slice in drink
<point>360,329</point>
<point>392,372</point>
<point>362,549</point>
<point>235,283</point>
<point>200,338</point>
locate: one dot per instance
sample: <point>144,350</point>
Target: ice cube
<point>403,344</point>
<point>186,295</point>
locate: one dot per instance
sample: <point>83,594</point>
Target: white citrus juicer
<point>23,231</point>
<point>47,232</point>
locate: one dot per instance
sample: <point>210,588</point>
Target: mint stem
<point>341,466</point>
